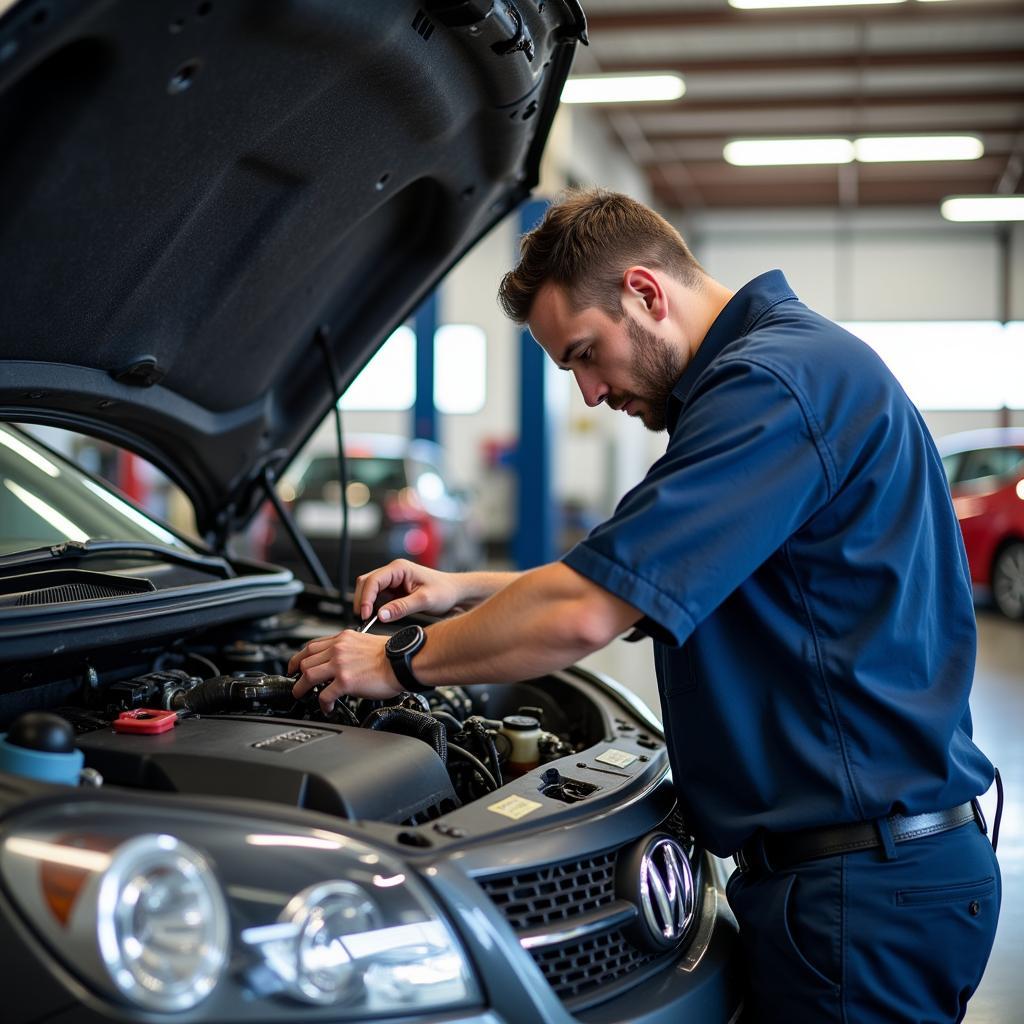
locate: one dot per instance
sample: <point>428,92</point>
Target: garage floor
<point>998,706</point>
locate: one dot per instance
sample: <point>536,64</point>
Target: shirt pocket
<point>945,893</point>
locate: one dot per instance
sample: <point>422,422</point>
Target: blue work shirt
<point>799,565</point>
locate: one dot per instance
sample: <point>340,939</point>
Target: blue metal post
<point>534,542</point>
<point>424,413</point>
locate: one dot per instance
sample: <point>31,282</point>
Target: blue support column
<point>534,542</point>
<point>424,413</point>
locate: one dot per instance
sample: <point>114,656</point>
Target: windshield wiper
<point>74,550</point>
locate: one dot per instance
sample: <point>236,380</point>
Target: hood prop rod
<point>344,544</point>
<point>303,546</point>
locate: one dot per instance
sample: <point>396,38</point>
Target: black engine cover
<point>354,773</point>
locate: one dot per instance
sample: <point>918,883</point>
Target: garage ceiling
<point>909,67</point>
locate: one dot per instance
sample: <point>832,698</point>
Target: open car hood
<point>198,198</point>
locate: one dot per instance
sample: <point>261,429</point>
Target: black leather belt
<point>773,851</point>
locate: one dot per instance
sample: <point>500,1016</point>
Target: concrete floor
<point>997,704</point>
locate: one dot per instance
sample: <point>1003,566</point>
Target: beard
<point>656,368</point>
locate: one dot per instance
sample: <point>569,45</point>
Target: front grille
<point>577,968</point>
<point>554,896</point>
<point>551,894</point>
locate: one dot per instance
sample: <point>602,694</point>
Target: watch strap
<point>404,674</point>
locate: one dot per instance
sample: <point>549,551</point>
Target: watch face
<point>404,640</point>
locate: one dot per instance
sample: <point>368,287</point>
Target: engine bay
<point>213,714</point>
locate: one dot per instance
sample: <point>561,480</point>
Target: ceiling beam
<point>636,21</point>
<point>709,172</point>
<point>847,61</point>
<point>817,102</point>
<point>823,193</point>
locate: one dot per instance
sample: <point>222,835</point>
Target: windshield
<point>45,500</point>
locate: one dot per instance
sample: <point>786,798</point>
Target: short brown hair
<point>585,242</point>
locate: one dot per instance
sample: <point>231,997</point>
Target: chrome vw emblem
<point>667,895</point>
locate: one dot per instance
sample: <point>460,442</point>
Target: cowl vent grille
<point>64,586</point>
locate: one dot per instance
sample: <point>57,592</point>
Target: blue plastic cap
<point>39,764</point>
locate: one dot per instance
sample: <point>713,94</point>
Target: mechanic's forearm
<point>540,622</point>
<point>475,587</point>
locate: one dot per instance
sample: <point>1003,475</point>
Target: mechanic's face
<point>622,363</point>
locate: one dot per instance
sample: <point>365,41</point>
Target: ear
<point>642,290</point>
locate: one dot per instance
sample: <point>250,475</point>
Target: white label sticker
<point>514,807</point>
<point>618,758</point>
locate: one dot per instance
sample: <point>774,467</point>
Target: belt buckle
<point>753,856</point>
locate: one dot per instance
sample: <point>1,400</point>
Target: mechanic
<point>796,558</point>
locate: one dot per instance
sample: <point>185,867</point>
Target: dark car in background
<point>213,215</point>
<point>985,469</point>
<point>399,506</point>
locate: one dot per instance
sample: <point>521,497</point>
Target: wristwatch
<point>400,648</point>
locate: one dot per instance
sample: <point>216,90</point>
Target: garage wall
<point>868,265</point>
<point>896,265</point>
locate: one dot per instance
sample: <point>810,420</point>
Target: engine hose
<point>461,754</point>
<point>227,693</point>
<point>410,723</point>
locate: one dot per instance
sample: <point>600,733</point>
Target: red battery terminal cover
<point>147,721</point>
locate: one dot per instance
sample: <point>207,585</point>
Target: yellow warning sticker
<point>616,758</point>
<point>514,807</point>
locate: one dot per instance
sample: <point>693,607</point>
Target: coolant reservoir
<point>522,733</point>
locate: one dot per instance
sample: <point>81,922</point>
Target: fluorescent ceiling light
<point>981,208</point>
<point>892,148</point>
<point>765,152</point>
<point>870,149</point>
<point>755,5</point>
<point>623,88</point>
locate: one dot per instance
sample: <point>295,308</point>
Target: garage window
<point>460,368</point>
<point>948,365</point>
<point>388,381</point>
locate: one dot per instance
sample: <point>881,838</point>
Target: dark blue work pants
<point>857,938</point>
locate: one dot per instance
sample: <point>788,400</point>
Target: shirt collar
<point>740,314</point>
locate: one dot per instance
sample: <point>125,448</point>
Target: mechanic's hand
<point>351,663</point>
<point>405,587</point>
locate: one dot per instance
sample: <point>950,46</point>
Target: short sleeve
<point>745,467</point>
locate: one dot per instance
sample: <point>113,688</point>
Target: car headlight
<point>229,919</point>
<point>161,923</point>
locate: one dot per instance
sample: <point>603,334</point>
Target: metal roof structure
<point>910,66</point>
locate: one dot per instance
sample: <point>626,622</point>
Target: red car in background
<point>985,470</point>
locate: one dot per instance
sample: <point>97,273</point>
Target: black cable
<point>477,727</point>
<point>492,752</point>
<point>999,811</point>
<point>451,724</point>
<point>344,559</point>
<point>462,754</point>
<point>214,671</point>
